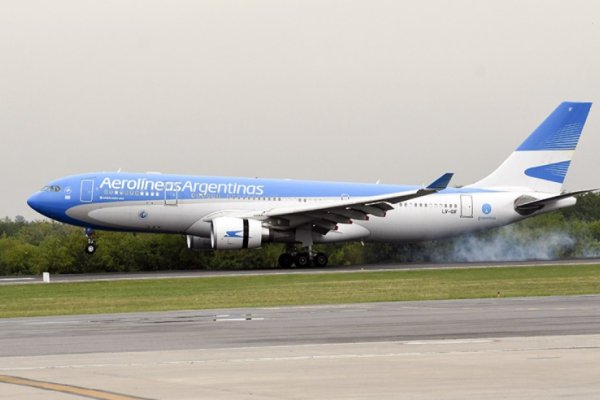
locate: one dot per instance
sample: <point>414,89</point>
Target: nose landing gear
<point>90,248</point>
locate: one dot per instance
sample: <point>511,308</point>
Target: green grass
<point>302,289</point>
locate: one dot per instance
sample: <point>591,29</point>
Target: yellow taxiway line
<point>70,389</point>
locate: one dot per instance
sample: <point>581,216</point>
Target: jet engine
<point>236,233</point>
<point>198,243</point>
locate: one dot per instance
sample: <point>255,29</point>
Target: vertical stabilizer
<point>541,162</point>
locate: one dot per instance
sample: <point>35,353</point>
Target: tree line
<point>32,247</point>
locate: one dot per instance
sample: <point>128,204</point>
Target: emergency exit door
<point>171,197</point>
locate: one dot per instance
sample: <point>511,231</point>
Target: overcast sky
<point>400,91</point>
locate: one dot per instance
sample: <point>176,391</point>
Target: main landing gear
<point>302,259</point>
<point>90,248</point>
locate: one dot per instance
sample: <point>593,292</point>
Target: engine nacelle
<point>236,233</point>
<point>198,243</point>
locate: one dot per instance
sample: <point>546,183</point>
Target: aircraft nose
<point>35,202</point>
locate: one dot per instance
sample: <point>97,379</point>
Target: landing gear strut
<point>302,259</point>
<point>90,248</point>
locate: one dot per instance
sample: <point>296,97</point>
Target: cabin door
<point>86,194</point>
<point>466,206</point>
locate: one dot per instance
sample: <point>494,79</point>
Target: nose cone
<point>35,202</point>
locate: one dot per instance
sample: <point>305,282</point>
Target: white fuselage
<point>430,217</point>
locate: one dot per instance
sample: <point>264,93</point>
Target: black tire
<point>90,248</point>
<point>286,260</point>
<point>320,260</point>
<point>302,260</point>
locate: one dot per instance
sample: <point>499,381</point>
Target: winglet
<point>442,182</point>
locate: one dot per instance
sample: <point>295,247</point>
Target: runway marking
<point>238,319</point>
<point>69,389</point>
<point>228,318</point>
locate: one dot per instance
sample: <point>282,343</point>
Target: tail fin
<point>541,162</point>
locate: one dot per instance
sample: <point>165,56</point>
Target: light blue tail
<point>542,161</point>
<point>561,130</point>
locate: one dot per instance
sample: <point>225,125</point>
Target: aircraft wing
<point>324,217</point>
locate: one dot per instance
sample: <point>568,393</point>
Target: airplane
<point>240,213</point>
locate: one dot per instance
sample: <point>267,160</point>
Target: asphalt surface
<point>263,327</point>
<point>513,348</point>
<point>11,280</point>
<point>516,348</point>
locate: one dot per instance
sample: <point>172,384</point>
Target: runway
<point>11,280</point>
<point>545,347</point>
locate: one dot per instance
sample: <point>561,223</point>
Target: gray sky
<point>331,90</point>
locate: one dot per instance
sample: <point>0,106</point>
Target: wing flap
<point>331,217</point>
<point>370,209</point>
<point>351,214</point>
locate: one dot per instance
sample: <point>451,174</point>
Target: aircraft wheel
<point>320,260</point>
<point>302,260</point>
<point>286,260</point>
<point>90,248</point>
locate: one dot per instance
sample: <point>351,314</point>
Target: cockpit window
<point>52,188</point>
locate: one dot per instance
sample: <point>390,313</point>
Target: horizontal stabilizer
<point>526,206</point>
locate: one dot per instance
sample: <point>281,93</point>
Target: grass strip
<point>296,289</point>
